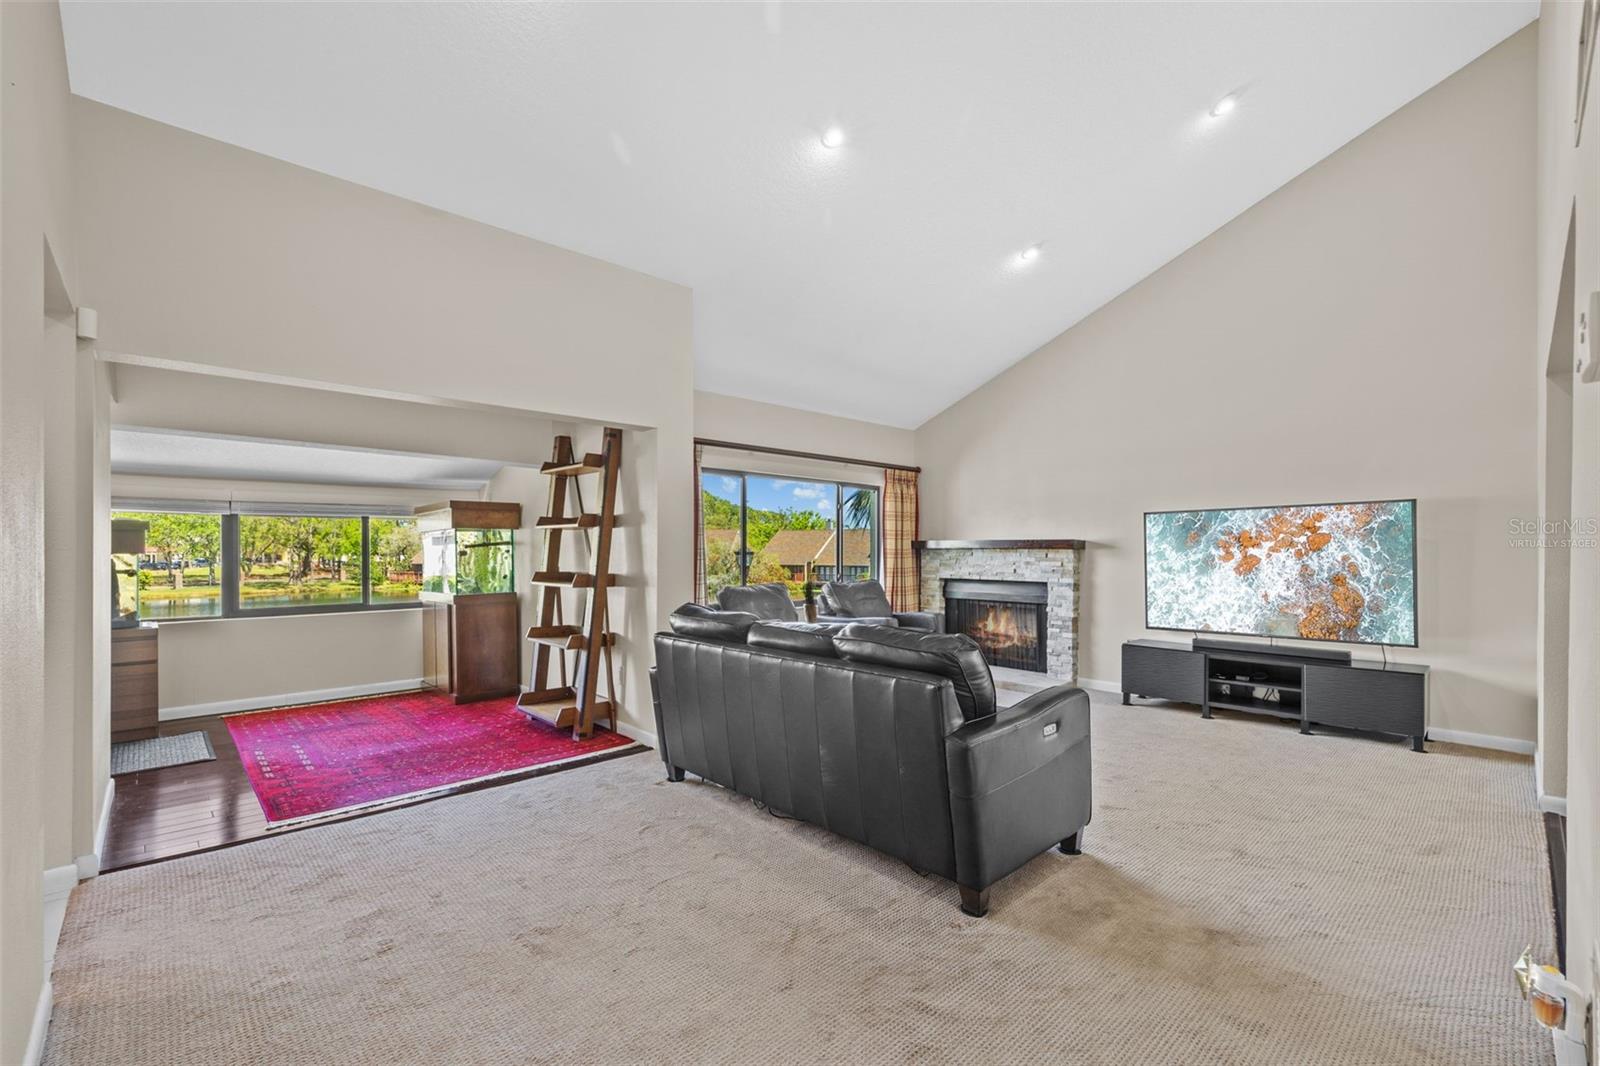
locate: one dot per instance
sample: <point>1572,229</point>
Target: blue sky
<point>775,494</point>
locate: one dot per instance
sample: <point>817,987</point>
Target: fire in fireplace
<point>1008,619</point>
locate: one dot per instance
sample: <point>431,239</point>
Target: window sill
<point>288,612</point>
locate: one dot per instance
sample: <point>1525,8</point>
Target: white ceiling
<point>877,281</point>
<point>166,454</point>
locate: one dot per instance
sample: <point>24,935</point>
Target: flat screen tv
<point>1326,571</point>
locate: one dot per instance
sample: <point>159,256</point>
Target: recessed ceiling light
<point>1224,106</point>
<point>832,137</point>
<point>1029,254</point>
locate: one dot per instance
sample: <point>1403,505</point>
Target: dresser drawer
<point>137,646</point>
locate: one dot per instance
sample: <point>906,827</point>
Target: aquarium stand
<point>1295,686</point>
<point>1212,644</point>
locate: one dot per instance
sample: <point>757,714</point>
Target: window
<point>395,560</point>
<point>180,574</point>
<point>298,561</point>
<point>761,529</point>
<point>231,565</point>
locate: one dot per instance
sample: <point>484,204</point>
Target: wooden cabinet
<point>134,700</point>
<point>472,647</point>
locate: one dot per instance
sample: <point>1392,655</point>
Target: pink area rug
<point>334,756</point>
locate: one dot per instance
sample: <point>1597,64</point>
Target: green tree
<point>719,513</point>
<point>722,565</point>
<point>180,537</point>
<point>261,537</point>
<point>395,542</point>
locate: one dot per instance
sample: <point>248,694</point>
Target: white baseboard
<point>1553,804</point>
<point>89,865</point>
<point>1482,740</point>
<point>1569,1052</point>
<point>633,732</point>
<point>1101,686</point>
<point>41,1025</point>
<point>59,881</point>
<point>287,699</point>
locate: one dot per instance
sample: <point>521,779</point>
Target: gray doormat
<point>131,756</point>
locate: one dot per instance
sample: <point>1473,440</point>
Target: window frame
<point>840,491</point>
<point>229,598</point>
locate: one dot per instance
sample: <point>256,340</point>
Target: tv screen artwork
<point>1336,571</point>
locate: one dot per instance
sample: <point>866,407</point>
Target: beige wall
<point>740,421</point>
<point>1569,202</point>
<point>39,281</point>
<point>265,662</point>
<point>206,257</point>
<point>1359,334</point>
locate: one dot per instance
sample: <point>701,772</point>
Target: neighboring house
<point>809,554</point>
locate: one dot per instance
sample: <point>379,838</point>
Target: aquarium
<point>467,562</point>
<point>127,544</point>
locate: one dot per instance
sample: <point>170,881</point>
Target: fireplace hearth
<point>1008,619</point>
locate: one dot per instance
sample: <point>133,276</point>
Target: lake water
<point>211,606</point>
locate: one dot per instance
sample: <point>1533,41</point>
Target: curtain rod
<point>703,442</point>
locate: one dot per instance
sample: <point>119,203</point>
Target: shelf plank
<point>1256,707</point>
<point>570,638</point>
<point>557,706</point>
<point>579,521</point>
<point>592,463</point>
<point>1285,687</point>
<point>569,579</point>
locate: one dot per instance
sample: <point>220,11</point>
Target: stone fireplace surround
<point>1057,563</point>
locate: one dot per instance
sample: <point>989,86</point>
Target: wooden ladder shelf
<point>574,702</point>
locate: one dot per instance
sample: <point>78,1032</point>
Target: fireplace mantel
<point>1029,545</point>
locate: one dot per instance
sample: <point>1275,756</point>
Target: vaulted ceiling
<point>880,279</point>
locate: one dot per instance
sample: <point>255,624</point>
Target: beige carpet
<point>1249,895</point>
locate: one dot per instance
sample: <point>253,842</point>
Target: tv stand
<point>1307,689</point>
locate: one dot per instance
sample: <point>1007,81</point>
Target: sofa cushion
<point>807,638</point>
<point>706,623</point>
<point>952,655</point>
<point>857,599</point>
<point>767,602</point>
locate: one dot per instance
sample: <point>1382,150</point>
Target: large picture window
<point>235,565</point>
<point>760,528</point>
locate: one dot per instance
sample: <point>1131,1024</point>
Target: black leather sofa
<point>865,601</point>
<point>884,735</point>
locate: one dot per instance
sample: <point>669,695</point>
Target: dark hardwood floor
<point>1555,835</point>
<point>181,810</point>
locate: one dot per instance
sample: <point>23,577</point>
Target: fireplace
<point>1008,619</point>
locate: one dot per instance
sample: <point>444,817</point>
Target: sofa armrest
<point>1020,783</point>
<point>927,621</point>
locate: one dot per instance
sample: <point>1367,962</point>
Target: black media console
<point>1311,690</point>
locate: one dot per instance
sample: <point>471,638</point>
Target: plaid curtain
<point>699,530</point>
<point>902,579</point>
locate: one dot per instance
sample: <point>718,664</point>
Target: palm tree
<point>858,508</point>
